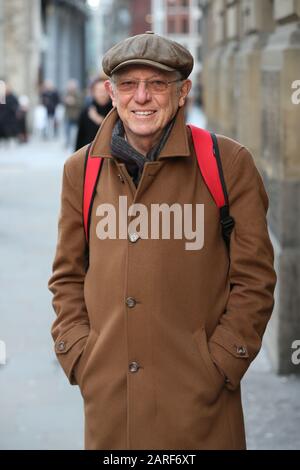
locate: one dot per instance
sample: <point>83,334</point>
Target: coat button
<point>134,367</point>
<point>61,346</point>
<point>133,237</point>
<point>241,350</point>
<point>130,302</point>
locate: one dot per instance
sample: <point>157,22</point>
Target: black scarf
<point>134,160</point>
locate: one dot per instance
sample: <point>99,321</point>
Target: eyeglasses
<point>154,86</point>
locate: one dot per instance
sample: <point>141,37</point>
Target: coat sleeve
<point>71,327</point>
<point>237,338</point>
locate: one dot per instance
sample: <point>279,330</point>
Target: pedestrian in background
<point>40,121</point>
<point>50,99</point>
<point>22,118</point>
<point>9,115</point>
<point>93,113</point>
<point>72,102</point>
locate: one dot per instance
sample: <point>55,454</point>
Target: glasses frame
<point>137,81</point>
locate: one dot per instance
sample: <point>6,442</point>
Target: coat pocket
<point>216,378</point>
<point>80,367</point>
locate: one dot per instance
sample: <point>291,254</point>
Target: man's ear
<point>184,91</point>
<point>109,89</point>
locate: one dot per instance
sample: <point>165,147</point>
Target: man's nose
<point>142,94</point>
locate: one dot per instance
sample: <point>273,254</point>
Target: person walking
<point>72,102</point>
<point>93,113</point>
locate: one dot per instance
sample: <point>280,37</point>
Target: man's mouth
<point>143,113</point>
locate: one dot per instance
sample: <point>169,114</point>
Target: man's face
<point>160,107</point>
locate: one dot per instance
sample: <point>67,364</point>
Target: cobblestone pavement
<point>38,409</point>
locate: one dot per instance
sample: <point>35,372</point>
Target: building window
<point>185,25</point>
<point>171,25</point>
<point>185,3</point>
<point>199,53</point>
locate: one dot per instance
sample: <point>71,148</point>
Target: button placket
<point>121,178</point>
<point>150,170</point>
<point>124,177</point>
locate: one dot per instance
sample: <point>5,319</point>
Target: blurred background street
<point>52,101</point>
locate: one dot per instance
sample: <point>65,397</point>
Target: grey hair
<point>178,76</point>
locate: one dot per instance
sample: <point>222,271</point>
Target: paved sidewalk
<point>271,407</point>
<point>38,409</point>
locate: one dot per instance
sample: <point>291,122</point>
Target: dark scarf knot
<point>134,160</point>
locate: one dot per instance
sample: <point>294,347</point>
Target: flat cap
<point>149,49</point>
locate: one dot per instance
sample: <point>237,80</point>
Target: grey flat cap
<point>149,49</point>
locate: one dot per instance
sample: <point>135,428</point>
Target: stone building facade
<point>181,21</point>
<point>251,69</point>
<point>63,41</point>
<point>123,18</point>
<point>20,32</point>
<point>42,39</point>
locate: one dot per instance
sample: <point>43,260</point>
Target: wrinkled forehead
<point>142,71</point>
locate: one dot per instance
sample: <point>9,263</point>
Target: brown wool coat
<point>197,316</point>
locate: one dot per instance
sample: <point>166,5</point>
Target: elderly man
<point>156,335</point>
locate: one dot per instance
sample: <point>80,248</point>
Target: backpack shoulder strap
<point>92,169</point>
<point>210,165</point>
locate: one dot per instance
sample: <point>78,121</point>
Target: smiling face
<point>144,113</point>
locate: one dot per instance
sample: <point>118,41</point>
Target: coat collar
<point>177,144</point>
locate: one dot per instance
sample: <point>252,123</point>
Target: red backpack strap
<point>209,161</point>
<point>91,175</point>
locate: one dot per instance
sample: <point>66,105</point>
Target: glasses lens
<point>126,86</point>
<point>158,86</point>
<point>154,86</point>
